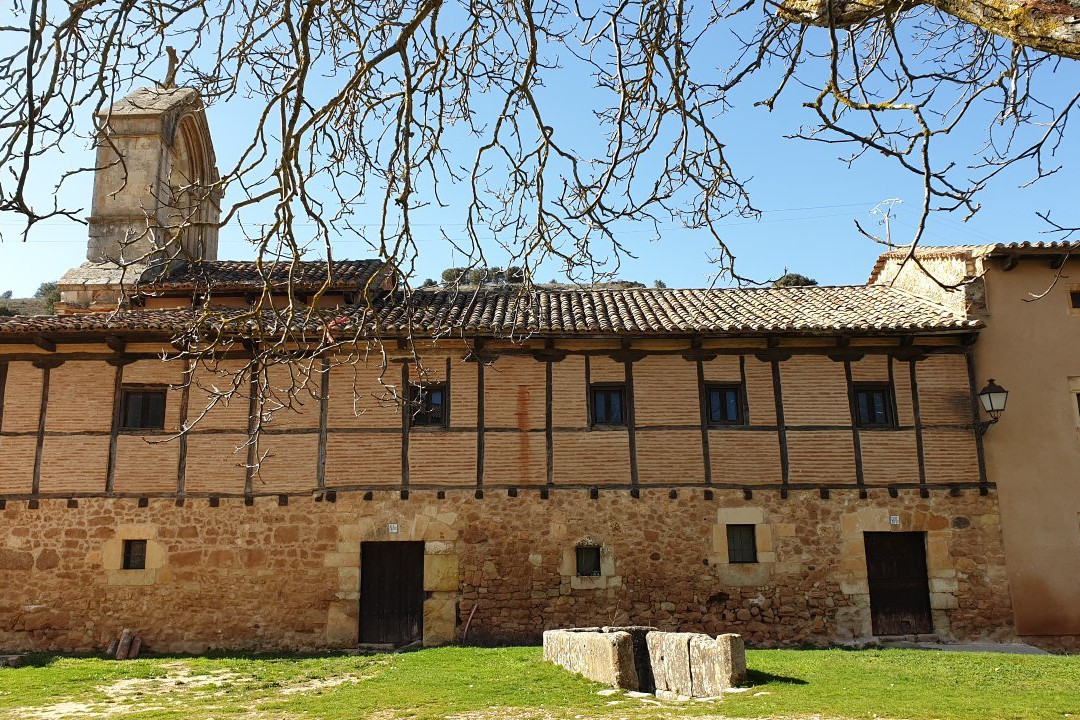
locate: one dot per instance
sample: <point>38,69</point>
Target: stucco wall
<point>1033,453</point>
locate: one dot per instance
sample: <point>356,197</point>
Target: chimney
<point>156,192</point>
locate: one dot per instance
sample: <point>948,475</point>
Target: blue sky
<point>809,200</point>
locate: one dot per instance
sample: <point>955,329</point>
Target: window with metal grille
<point>874,405</point>
<point>588,560</point>
<point>608,404</point>
<point>429,406</point>
<point>134,554</point>
<point>741,544</point>
<point>725,406</point>
<point>142,409</point>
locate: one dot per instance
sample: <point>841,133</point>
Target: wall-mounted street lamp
<point>992,398</point>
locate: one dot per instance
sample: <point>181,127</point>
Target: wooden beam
<point>781,426</point>
<point>974,393</point>
<point>405,410</point>
<point>3,388</point>
<point>35,486</point>
<point>703,403</point>
<point>479,420</point>
<point>115,343</point>
<point>114,428</point>
<point>181,463</point>
<point>549,423</point>
<point>856,440</point>
<point>254,428</point>
<point>631,431</point>
<point>44,343</point>
<point>324,412</point>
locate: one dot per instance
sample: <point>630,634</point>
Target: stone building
<point>795,465</point>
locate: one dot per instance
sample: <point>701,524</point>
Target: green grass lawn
<point>482,684</point>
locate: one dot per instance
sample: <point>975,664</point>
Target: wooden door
<point>391,592</point>
<point>899,591</point>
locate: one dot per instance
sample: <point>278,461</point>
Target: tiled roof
<point>800,310</point>
<point>242,275</point>
<point>973,251</point>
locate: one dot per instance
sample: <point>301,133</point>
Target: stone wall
<point>271,576</point>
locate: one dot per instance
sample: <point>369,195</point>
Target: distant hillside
<point>25,306</point>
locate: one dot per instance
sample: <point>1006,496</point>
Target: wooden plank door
<point>391,592</point>
<point>899,591</point>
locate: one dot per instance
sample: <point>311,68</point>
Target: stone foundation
<point>286,577</point>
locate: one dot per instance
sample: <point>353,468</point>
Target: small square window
<point>142,410</point>
<point>134,554</point>
<point>588,560</point>
<point>428,405</point>
<point>1074,299</point>
<point>741,544</point>
<point>608,404</point>
<point>725,406</point>
<point>874,405</point>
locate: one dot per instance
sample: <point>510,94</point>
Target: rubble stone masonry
<point>268,576</point>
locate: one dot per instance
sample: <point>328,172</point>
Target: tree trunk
<point>1052,27</point>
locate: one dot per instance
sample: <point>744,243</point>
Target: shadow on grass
<point>754,678</point>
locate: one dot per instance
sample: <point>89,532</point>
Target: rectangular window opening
<point>725,404</point>
<point>741,544</point>
<point>1074,299</point>
<point>874,405</point>
<point>588,560</point>
<point>428,405</point>
<point>134,554</point>
<point>608,404</point>
<point>142,409</point>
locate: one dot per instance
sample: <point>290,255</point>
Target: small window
<point>134,554</point>
<point>143,410</point>
<point>429,405</point>
<point>725,405</point>
<point>741,544</point>
<point>874,405</point>
<point>1074,299</point>
<point>588,560</point>
<point>608,404</point>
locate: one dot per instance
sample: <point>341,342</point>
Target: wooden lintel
<point>774,355</point>
<point>909,354</point>
<point>847,356</point>
<point>549,356</point>
<point>115,343</point>
<point>627,355</point>
<point>48,363</point>
<point>120,360</point>
<point>44,343</point>
<point>695,355</point>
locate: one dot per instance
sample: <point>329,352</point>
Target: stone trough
<point>670,664</point>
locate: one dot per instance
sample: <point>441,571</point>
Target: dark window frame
<point>888,393</point>
<point>608,388</point>
<point>127,395</point>
<point>738,552</point>
<point>134,554</point>
<point>587,557</point>
<point>1074,299</point>
<point>421,411</point>
<point>740,403</point>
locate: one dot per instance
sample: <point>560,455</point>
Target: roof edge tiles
<point>829,310</point>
